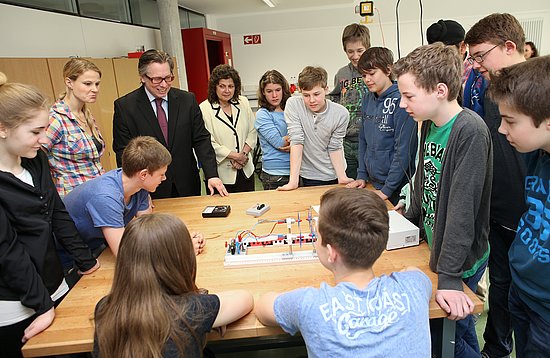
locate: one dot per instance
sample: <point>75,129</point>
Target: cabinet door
<point>32,71</point>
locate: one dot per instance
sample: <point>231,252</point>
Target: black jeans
<point>10,338</point>
<point>242,183</point>
<point>315,182</point>
<point>271,182</point>
<point>498,331</point>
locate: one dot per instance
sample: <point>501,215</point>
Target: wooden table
<point>73,328</point>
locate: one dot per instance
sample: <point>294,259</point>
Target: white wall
<point>34,33</point>
<point>292,40</point>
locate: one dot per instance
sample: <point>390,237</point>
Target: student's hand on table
<point>380,194</point>
<point>400,208</point>
<point>359,183</point>
<point>93,269</point>
<point>198,242</point>
<point>288,187</point>
<point>344,180</point>
<point>456,303</point>
<point>216,183</point>
<point>39,324</point>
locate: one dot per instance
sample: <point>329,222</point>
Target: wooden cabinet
<point>204,49</point>
<point>32,71</point>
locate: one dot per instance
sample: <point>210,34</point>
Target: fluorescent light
<point>269,3</point>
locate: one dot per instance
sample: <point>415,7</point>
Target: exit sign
<point>252,39</point>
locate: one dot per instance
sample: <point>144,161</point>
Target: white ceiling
<point>233,7</point>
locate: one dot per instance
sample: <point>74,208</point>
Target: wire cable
<point>397,24</point>
<point>380,23</point>
<point>421,30</point>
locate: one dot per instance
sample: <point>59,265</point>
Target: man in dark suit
<point>173,117</point>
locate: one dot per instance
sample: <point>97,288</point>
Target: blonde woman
<point>74,143</point>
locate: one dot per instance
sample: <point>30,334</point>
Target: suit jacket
<point>134,116</point>
<point>227,136</point>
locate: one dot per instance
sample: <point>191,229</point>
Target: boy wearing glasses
<point>495,42</point>
<point>452,187</point>
<point>173,117</point>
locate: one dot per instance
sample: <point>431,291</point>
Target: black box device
<point>218,211</point>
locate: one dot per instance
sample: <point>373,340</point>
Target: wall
<point>292,40</point>
<point>34,33</point>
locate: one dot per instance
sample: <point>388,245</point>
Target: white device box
<point>402,232</point>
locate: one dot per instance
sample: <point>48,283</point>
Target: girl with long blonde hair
<point>154,308</point>
<point>75,144</point>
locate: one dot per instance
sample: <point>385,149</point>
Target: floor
<point>301,351</point>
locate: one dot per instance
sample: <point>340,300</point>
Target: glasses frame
<point>481,57</point>
<point>158,80</point>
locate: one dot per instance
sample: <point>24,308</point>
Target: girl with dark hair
<point>272,131</point>
<point>530,50</point>
<point>230,121</point>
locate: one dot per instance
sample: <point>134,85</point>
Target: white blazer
<point>227,136</point>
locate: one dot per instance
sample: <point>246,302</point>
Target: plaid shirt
<point>72,154</point>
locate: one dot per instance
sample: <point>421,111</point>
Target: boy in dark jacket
<point>388,135</point>
<point>452,188</point>
<point>349,89</point>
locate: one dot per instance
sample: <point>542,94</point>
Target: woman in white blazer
<point>230,121</point>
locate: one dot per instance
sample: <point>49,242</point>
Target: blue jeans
<point>466,344</point>
<point>531,332</point>
<point>498,331</point>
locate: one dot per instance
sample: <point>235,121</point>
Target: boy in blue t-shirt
<point>103,206</point>
<point>452,187</point>
<point>362,315</point>
<point>521,92</point>
<point>388,135</point>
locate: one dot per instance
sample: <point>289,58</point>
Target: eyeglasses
<point>481,57</point>
<point>158,80</point>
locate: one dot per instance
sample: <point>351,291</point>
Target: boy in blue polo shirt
<point>103,206</point>
<point>521,92</point>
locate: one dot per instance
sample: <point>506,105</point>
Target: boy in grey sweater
<point>349,90</point>
<point>316,127</point>
<point>452,190</point>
